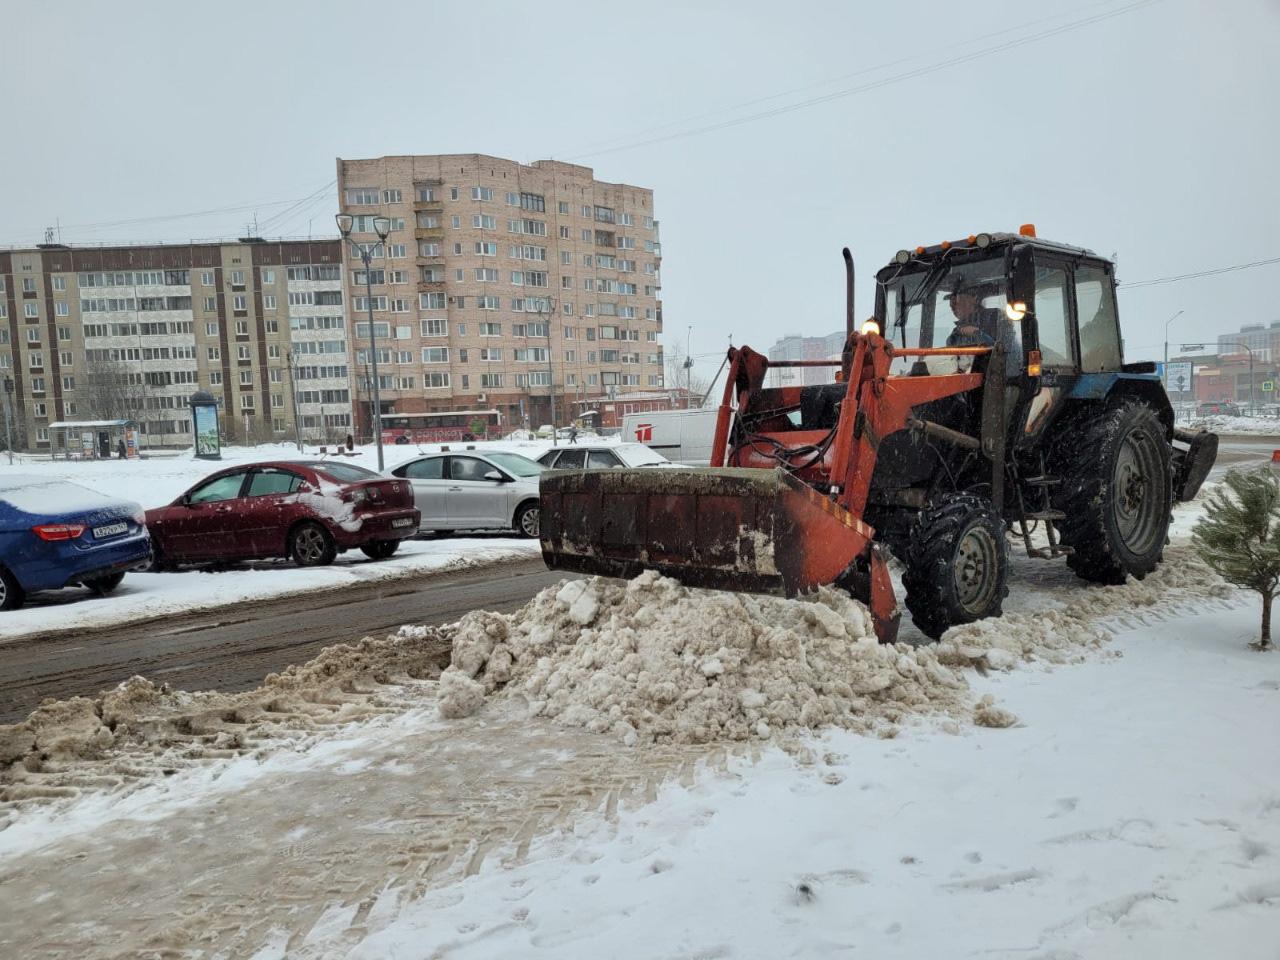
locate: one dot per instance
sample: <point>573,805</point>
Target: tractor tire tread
<point>1085,465</point>
<point>927,577</point>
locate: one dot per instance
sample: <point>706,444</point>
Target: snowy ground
<point>159,480</point>
<point>1133,810</point>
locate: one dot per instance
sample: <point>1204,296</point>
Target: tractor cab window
<point>1052,317</point>
<point>958,306</point>
<point>1096,314</point>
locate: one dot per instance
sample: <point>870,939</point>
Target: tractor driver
<point>976,325</point>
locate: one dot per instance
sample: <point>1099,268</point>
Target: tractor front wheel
<point>957,564</point>
<point>1115,491</point>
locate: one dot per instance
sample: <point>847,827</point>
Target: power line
<point>1198,274</point>
<point>876,84</point>
<point>588,148</point>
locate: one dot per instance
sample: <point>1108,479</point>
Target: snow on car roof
<point>32,494</point>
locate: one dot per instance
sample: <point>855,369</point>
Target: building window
<point>31,310</point>
<point>435,328</point>
<point>481,193</point>
<point>390,196</point>
<point>483,221</point>
<point>269,302</point>
<point>59,283</point>
<point>237,278</point>
<point>362,197</point>
<point>242,352</point>
<point>246,402</point>
<point>435,354</point>
<point>33,335</point>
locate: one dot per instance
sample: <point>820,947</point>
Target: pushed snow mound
<point>652,660</point>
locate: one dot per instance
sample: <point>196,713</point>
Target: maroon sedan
<point>306,511</point>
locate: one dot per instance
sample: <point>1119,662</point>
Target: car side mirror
<point>495,475</point>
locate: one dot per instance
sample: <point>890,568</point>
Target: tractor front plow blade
<point>758,531</point>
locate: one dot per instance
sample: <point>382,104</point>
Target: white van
<point>682,436</point>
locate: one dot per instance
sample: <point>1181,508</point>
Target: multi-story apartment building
<point>502,285</point>
<point>805,348</point>
<point>130,332</point>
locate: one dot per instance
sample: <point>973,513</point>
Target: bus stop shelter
<point>93,439</point>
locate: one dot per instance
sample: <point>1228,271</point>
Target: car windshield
<point>639,455</point>
<point>344,472</point>
<point>516,464</point>
<point>950,304</point>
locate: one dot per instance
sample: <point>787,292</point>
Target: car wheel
<point>158,562</point>
<point>12,595</point>
<point>380,549</point>
<point>310,545</point>
<point>527,521</point>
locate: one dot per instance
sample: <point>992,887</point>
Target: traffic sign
<point>1268,386</point>
<point>1193,346</point>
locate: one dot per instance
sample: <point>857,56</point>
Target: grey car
<point>474,490</point>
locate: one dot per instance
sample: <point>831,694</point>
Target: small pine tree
<point>1239,537</point>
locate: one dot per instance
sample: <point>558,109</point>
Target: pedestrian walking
<point>573,433</point>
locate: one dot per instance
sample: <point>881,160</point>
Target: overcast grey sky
<point>1152,133</point>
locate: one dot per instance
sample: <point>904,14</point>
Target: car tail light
<point>357,495</point>
<point>58,531</point>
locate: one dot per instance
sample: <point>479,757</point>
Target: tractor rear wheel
<point>1116,492</point>
<point>957,564</point>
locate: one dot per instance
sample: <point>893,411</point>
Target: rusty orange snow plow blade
<point>761,531</point>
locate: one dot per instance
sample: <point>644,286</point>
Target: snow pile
<point>654,661</point>
<point>1253,426</point>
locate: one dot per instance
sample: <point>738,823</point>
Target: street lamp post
<point>382,227</point>
<point>8,430</point>
<point>546,310</point>
<point>1237,343</point>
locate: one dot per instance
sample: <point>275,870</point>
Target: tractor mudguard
<point>1192,465</point>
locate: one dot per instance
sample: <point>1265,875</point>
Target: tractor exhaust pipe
<point>848,295</point>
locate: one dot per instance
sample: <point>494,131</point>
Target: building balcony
<point>428,206</point>
<point>428,233</point>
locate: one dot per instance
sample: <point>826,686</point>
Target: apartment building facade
<point>805,348</point>
<point>501,286</point>
<point>130,332</point>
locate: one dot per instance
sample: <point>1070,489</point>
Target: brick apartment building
<point>132,331</point>
<point>502,285</point>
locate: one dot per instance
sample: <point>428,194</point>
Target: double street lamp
<point>382,227</point>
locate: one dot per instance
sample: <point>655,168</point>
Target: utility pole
<point>1166,345</point>
<point>1238,343</point>
<point>8,430</point>
<point>293,389</point>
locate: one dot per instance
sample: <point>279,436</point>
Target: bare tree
<point>109,390</point>
<point>680,374</point>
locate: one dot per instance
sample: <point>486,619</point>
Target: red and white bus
<point>445,427</point>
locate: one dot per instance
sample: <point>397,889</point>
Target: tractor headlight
<point>1015,311</point>
<point>871,327</point>
<point>983,239</point>
<point>902,256</point>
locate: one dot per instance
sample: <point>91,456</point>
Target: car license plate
<point>110,530</point>
<point>403,522</point>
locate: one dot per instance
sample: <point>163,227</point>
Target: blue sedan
<point>56,534</point>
